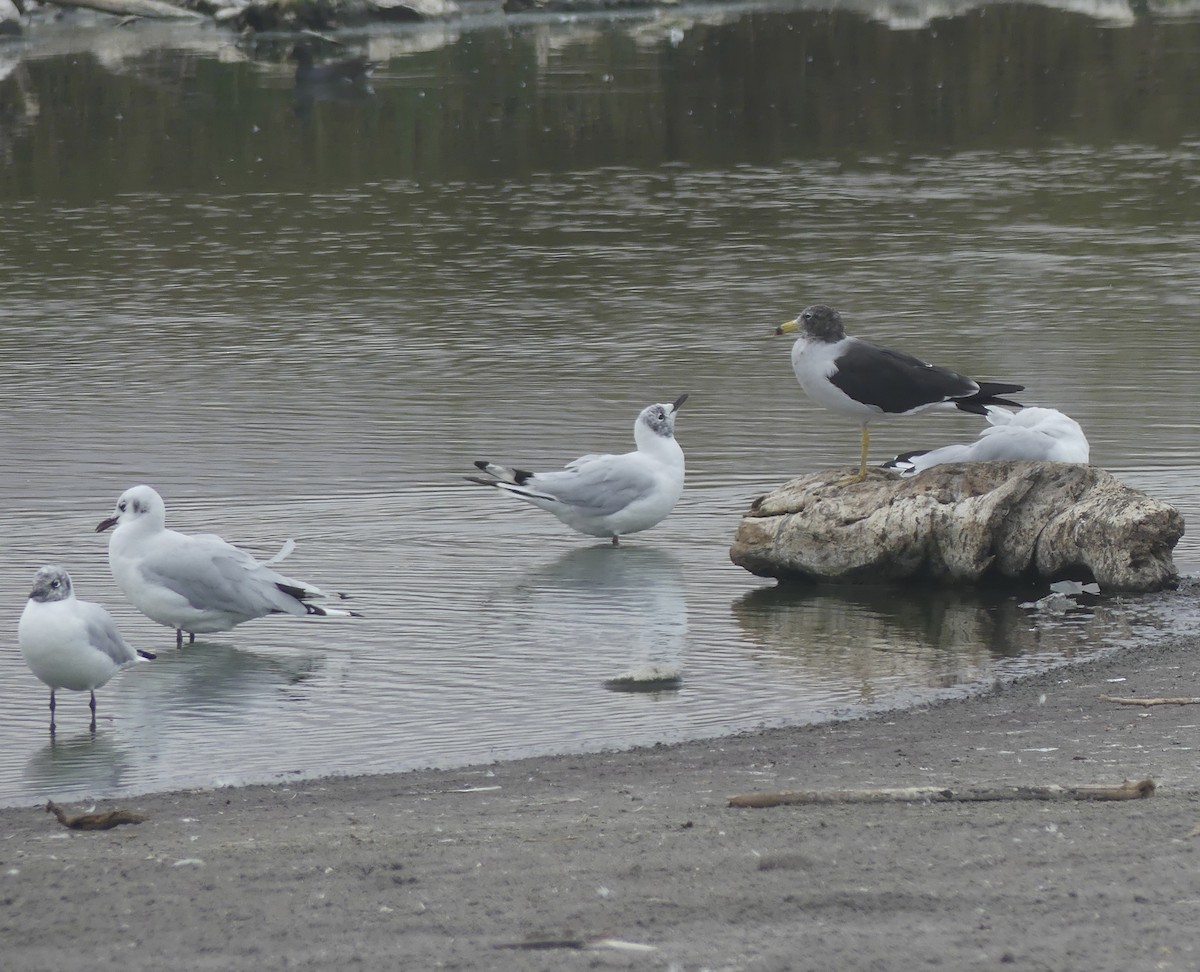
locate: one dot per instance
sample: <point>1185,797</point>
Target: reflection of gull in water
<point>216,679</point>
<point>186,716</point>
<point>1044,434</point>
<point>626,606</point>
<point>84,765</point>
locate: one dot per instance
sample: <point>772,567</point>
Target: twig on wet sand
<point>1129,790</point>
<point>1183,700</point>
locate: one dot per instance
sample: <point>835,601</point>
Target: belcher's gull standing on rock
<point>603,495</point>
<point>1044,434</point>
<point>196,583</point>
<point>867,381</point>
<point>68,643</point>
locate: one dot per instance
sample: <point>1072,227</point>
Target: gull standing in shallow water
<point>867,381</point>
<point>1044,434</point>
<point>196,583</point>
<point>70,644</point>
<point>604,495</point>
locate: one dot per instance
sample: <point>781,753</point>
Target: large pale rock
<point>967,523</point>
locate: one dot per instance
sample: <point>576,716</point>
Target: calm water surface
<point>305,317</point>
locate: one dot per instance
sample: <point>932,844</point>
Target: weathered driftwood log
<point>1129,790</point>
<point>93,821</point>
<point>965,523</point>
<point>1119,700</point>
<point>150,9</point>
<point>547,944</point>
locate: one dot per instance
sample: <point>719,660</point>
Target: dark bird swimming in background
<point>349,70</point>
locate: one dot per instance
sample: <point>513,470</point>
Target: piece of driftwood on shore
<point>1129,790</point>
<point>546,944</point>
<point>150,9</point>
<point>93,821</point>
<point>1169,701</point>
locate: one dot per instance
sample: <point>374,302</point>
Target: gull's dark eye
<point>806,316</point>
<point>121,506</point>
<point>54,583</point>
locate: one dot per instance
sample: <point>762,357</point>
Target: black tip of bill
<point>678,403</point>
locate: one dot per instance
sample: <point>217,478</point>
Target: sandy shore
<point>433,870</point>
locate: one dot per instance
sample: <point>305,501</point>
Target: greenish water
<point>304,314</point>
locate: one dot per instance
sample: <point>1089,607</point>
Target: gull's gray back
<point>103,635</point>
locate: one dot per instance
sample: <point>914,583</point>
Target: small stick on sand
<point>1167,701</point>
<point>1129,790</point>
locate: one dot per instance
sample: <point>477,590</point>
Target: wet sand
<point>432,870</point>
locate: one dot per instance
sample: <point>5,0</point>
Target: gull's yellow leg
<point>859,476</point>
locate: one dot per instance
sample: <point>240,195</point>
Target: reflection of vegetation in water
<point>538,97</point>
<point>914,635</point>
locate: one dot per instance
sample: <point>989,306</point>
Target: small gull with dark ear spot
<point>68,643</point>
<point>608,495</point>
<point>197,583</point>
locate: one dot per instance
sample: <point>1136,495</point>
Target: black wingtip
<point>148,655</point>
<point>989,394</point>
<point>521,476</point>
<point>992,388</point>
<point>979,406</point>
<point>904,459</point>
<point>482,464</point>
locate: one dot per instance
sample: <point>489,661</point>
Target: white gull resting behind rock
<point>605,495</point>
<point>70,644</point>
<point>866,381</point>
<point>196,583</point>
<point>1032,433</point>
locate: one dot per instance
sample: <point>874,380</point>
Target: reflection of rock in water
<point>623,604</point>
<point>646,678</point>
<point>913,635</point>
<point>82,765</point>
